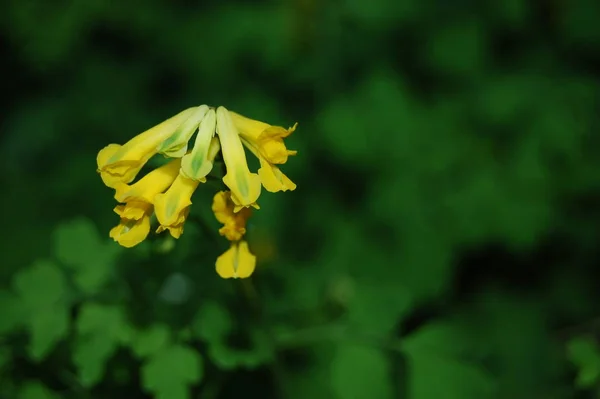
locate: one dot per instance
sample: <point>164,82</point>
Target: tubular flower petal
<point>271,177</point>
<point>244,186</point>
<point>268,139</point>
<point>173,206</point>
<point>135,214</point>
<point>236,262</point>
<point>134,225</point>
<point>199,162</point>
<point>122,163</point>
<point>234,224</point>
<point>148,186</point>
<point>176,145</point>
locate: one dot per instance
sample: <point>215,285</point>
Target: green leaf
<point>91,279</point>
<point>150,341</point>
<point>377,308</point>
<point>458,48</point>
<point>524,358</point>
<point>381,13</point>
<point>78,246</point>
<point>76,242</point>
<point>176,289</point>
<point>5,357</point>
<point>212,321</point>
<point>511,12</point>
<point>347,126</point>
<point>40,285</point>
<point>585,354</point>
<point>360,372</point>
<point>228,358</point>
<point>434,354</point>
<point>12,310</point>
<point>94,318</point>
<point>101,328</point>
<point>41,290</point>
<point>440,337</point>
<point>224,357</point>
<point>314,381</point>
<point>169,372</point>
<point>35,390</point>
<point>579,23</point>
<point>425,266</point>
<point>504,98</point>
<point>436,376</point>
<point>90,356</point>
<point>47,328</point>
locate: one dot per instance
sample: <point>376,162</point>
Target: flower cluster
<point>166,192</point>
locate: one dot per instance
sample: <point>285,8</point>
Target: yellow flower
<point>236,262</point>
<point>271,177</point>
<point>234,224</point>
<point>173,206</point>
<point>266,143</point>
<point>121,163</point>
<point>167,190</point>
<point>134,225</point>
<point>266,138</point>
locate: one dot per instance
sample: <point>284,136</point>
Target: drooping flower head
<point>167,191</point>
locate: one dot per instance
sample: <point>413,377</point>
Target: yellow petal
<point>273,179</point>
<point>213,150</point>
<point>134,225</point>
<point>250,129</point>
<point>117,172</point>
<point>134,210</point>
<point>175,230</point>
<point>238,206</point>
<point>271,146</point>
<point>121,163</point>
<point>268,139</point>
<point>236,262</point>
<point>244,186</point>
<point>275,150</point>
<point>172,207</point>
<point>129,233</point>
<point>198,163</point>
<point>151,139</point>
<point>176,145</point>
<point>234,224</point>
<point>106,153</point>
<point>220,206</point>
<point>233,231</point>
<point>148,186</point>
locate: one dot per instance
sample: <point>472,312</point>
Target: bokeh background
<point>442,242</point>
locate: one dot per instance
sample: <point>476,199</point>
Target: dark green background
<point>442,242</point>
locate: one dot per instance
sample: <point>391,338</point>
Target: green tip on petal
<point>198,163</point>
<point>176,145</point>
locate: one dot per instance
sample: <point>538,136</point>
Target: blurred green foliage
<point>442,242</point>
